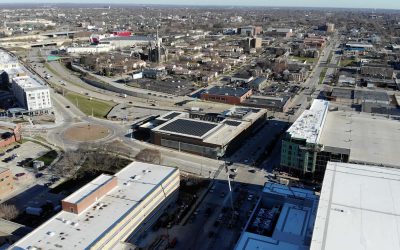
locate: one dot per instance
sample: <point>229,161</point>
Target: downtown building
<point>110,212</point>
<point>320,135</point>
<point>32,95</point>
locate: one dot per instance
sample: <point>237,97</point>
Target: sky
<point>382,4</point>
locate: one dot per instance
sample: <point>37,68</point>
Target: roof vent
<point>50,233</point>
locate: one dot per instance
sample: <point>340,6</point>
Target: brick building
<point>9,133</point>
<point>227,95</point>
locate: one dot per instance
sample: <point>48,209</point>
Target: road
<point>311,85</point>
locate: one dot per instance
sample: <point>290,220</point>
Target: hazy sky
<point>387,4</point>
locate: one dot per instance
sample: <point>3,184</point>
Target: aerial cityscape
<point>200,125</point>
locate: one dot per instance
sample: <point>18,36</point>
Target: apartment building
<point>32,94</point>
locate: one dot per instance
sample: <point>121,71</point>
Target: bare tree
<point>8,212</point>
<point>70,163</point>
<point>149,156</point>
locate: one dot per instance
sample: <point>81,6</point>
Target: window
<point>71,209</point>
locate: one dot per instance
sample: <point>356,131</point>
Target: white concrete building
<point>90,49</point>
<point>32,94</point>
<point>359,208</point>
<point>109,211</point>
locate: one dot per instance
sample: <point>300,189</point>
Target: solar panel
<point>172,115</point>
<point>188,127</point>
<point>232,123</point>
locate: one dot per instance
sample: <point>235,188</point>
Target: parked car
<point>19,174</point>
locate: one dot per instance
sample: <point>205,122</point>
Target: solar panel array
<point>172,115</point>
<point>188,127</point>
<point>232,123</point>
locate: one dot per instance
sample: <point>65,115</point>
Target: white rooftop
<point>284,190</point>
<point>294,224</point>
<point>310,123</point>
<point>371,139</point>
<point>28,82</point>
<point>7,58</point>
<point>251,241</point>
<point>73,231</point>
<point>363,45</point>
<point>359,208</point>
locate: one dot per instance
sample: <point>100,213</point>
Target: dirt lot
<point>86,132</point>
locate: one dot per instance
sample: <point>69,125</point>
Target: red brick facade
<point>233,100</point>
<point>16,137</point>
<point>90,199</point>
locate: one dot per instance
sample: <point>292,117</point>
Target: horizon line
<point>196,5</point>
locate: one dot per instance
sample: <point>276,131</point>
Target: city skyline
<point>385,4</point>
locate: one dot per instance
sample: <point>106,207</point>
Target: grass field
<point>88,105</point>
<point>308,59</point>
<point>48,158</point>
<point>346,62</point>
<point>322,75</point>
<point>330,57</point>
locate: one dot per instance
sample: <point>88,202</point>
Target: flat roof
<point>360,45</point>
<point>358,209</point>
<point>79,231</point>
<point>228,91</point>
<point>188,127</point>
<point>171,115</point>
<point>343,93</point>
<point>251,241</point>
<point>370,139</point>
<point>28,82</point>
<point>294,224</point>
<point>369,95</point>
<point>7,58</point>
<point>310,123</point>
<point>128,38</point>
<point>286,191</point>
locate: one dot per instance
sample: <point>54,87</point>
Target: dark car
<point>19,174</point>
<point>54,179</point>
<point>6,135</point>
<point>38,175</point>
<point>67,106</point>
<point>9,150</point>
<point>17,146</point>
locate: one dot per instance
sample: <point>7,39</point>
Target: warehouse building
<point>283,219</point>
<point>128,41</point>
<point>273,103</point>
<point>209,135</point>
<point>358,208</point>
<point>229,95</point>
<point>108,211</point>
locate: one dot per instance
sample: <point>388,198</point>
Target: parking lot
<point>24,177</point>
<point>212,224</point>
